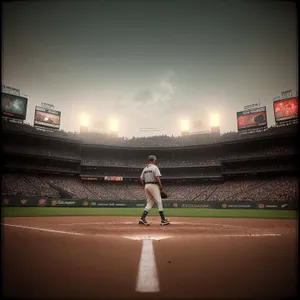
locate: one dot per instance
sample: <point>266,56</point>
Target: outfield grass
<point>169,212</point>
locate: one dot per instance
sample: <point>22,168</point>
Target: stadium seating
<point>57,158</point>
<point>117,162</point>
<point>281,188</point>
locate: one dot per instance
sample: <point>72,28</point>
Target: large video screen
<point>286,109</point>
<point>46,117</point>
<point>252,118</point>
<point>14,106</point>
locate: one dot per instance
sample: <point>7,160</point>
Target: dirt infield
<point>114,257</point>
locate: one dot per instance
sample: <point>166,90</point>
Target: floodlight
<point>185,125</point>
<point>85,120</point>
<point>214,120</point>
<point>114,125</point>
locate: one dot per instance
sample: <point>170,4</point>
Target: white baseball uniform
<point>152,190</point>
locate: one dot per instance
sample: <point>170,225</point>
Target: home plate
<point>178,223</point>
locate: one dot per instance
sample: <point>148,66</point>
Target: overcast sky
<point>150,63</point>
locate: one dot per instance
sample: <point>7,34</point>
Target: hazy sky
<point>150,63</point>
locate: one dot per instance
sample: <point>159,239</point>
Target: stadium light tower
<point>114,126</point>
<point>185,127</point>
<point>215,120</point>
<point>84,123</point>
<point>215,124</point>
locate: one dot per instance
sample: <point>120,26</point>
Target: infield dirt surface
<point>98,257</point>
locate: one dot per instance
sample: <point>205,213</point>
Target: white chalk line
<point>43,229</point>
<point>185,223</point>
<point>203,225</point>
<point>147,278</point>
<point>141,237</point>
<point>158,238</point>
<point>103,223</point>
<point>254,234</point>
<point>136,223</point>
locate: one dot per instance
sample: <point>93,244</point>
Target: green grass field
<point>169,212</point>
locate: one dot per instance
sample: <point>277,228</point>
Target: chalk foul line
<point>43,229</point>
<point>147,279</point>
<point>254,234</point>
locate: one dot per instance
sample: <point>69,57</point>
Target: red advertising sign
<point>252,118</point>
<point>113,178</point>
<point>286,109</point>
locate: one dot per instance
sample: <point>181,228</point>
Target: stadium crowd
<point>166,173</point>
<point>188,161</point>
<point>255,168</point>
<point>278,190</point>
<point>275,150</point>
<point>282,188</point>
<point>117,162</point>
<point>50,165</point>
<point>38,150</point>
<point>109,160</point>
<point>28,185</point>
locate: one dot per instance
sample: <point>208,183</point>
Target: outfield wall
<point>21,201</point>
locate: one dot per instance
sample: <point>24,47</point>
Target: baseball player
<point>150,179</point>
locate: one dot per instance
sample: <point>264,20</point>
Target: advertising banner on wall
<point>64,202</point>
<point>238,205</point>
<point>270,205</point>
<point>13,201</point>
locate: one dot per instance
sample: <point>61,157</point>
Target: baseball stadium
<point>72,202</point>
<point>149,149</point>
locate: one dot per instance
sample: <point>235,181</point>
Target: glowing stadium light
<point>85,120</point>
<point>114,125</point>
<point>185,125</point>
<point>214,120</point>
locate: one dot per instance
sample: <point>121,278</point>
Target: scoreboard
<point>285,109</point>
<point>252,118</point>
<point>13,106</point>
<point>46,117</point>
